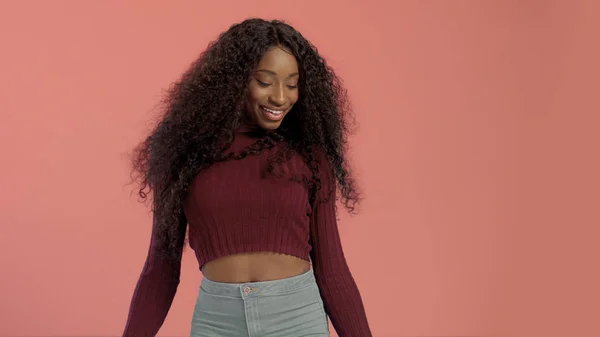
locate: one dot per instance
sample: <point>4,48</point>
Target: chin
<point>268,125</point>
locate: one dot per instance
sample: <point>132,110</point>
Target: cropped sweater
<point>236,206</point>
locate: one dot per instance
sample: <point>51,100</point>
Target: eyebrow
<point>274,73</point>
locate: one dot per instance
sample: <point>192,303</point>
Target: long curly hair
<point>206,105</point>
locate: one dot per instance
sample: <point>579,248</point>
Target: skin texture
<point>274,84</point>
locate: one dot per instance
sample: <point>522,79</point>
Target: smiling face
<point>273,89</point>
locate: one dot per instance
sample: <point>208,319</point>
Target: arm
<point>338,289</point>
<point>155,290</point>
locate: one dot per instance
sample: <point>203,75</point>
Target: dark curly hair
<point>206,105</point>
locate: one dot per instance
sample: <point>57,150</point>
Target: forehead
<point>279,61</point>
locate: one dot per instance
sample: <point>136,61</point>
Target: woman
<point>248,159</point>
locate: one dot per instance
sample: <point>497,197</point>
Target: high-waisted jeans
<point>289,307</point>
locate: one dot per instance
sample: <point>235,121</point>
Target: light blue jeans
<point>289,307</point>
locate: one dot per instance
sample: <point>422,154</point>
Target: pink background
<point>477,152</point>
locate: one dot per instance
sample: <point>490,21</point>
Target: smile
<point>273,115</point>
<point>273,111</point>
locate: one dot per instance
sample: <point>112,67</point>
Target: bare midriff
<point>254,267</point>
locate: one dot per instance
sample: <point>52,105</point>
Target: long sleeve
<point>338,289</point>
<point>154,292</point>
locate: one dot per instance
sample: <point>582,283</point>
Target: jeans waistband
<point>259,288</point>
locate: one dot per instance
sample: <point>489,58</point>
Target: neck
<point>250,127</point>
<point>247,126</point>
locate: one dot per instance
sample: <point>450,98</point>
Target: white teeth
<point>275,112</point>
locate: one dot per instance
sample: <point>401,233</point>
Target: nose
<point>278,96</point>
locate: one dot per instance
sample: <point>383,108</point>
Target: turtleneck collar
<point>250,129</point>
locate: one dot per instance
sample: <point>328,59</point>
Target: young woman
<point>248,159</point>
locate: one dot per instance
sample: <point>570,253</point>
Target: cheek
<point>255,95</point>
<point>294,97</point>
<point>250,101</point>
<point>251,96</point>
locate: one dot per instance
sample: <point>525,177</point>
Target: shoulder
<point>322,158</point>
<point>319,153</point>
<point>325,166</point>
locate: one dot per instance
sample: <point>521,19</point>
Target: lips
<point>275,111</point>
<point>274,115</point>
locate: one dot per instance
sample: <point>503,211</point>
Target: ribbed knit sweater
<point>236,206</point>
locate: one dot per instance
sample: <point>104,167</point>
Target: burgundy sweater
<point>234,207</point>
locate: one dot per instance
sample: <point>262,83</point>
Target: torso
<point>254,267</point>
